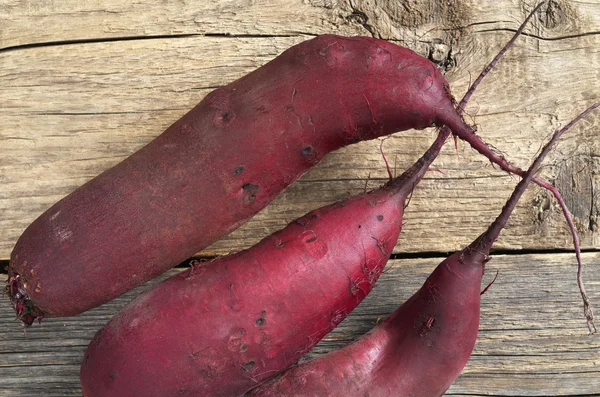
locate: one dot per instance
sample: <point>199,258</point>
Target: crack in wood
<point>134,38</point>
<point>535,36</point>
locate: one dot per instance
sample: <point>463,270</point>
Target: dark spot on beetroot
<point>248,366</point>
<point>239,170</point>
<point>310,240</point>
<point>301,221</point>
<point>261,109</point>
<point>359,226</point>
<point>379,218</point>
<point>261,320</point>
<point>227,116</point>
<point>251,190</point>
<point>112,375</point>
<point>182,390</point>
<point>289,108</point>
<point>307,151</point>
<point>243,348</point>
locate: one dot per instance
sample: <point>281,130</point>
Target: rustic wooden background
<point>83,84</point>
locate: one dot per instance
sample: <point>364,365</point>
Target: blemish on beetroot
<point>112,375</point>
<point>196,267</point>
<point>432,292</point>
<point>301,221</point>
<point>364,268</point>
<point>227,116</point>
<point>16,289</point>
<point>250,189</point>
<point>379,218</point>
<point>236,339</point>
<point>261,109</point>
<point>427,325</point>
<point>372,276</point>
<point>337,317</point>
<point>239,170</point>
<point>261,320</point>
<point>310,240</point>
<point>355,289</point>
<point>289,108</point>
<point>307,151</point>
<point>381,246</point>
<point>210,372</point>
<point>430,322</point>
<point>359,226</point>
<point>182,390</point>
<point>248,366</point>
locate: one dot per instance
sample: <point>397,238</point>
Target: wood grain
<point>533,340</point>
<point>70,111</point>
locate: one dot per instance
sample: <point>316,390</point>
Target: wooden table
<point>86,83</point>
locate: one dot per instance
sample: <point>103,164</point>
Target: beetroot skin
<point>192,184</point>
<point>418,351</point>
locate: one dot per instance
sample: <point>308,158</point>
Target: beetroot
<point>422,347</point>
<point>221,328</point>
<point>219,165</point>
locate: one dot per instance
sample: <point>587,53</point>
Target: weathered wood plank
<point>29,22</point>
<point>533,340</point>
<point>70,112</point>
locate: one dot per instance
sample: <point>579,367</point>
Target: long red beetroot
<point>221,328</point>
<point>422,347</point>
<point>220,164</point>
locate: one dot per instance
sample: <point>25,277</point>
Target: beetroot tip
<point>26,311</point>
